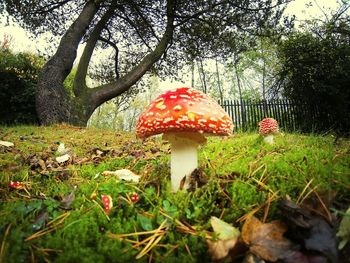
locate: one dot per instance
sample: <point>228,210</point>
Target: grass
<point>242,175</point>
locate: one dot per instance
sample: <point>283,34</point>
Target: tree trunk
<point>202,76</point>
<point>52,101</point>
<point>53,104</point>
<point>236,59</point>
<point>220,89</point>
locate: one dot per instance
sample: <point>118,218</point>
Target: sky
<point>299,8</point>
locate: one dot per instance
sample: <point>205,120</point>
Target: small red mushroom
<point>16,185</point>
<point>267,128</point>
<point>184,116</point>
<point>135,197</point>
<point>107,203</point>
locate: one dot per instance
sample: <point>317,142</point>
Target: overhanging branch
<point>111,90</point>
<point>79,79</point>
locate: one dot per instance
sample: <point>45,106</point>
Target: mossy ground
<point>242,174</point>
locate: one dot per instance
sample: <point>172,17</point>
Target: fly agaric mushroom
<point>135,197</point>
<point>107,203</point>
<point>184,116</point>
<point>267,128</point>
<point>16,185</point>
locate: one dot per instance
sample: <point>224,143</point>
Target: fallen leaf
<point>63,158</point>
<point>123,174</point>
<point>220,249</point>
<point>42,164</point>
<point>61,150</point>
<point>7,144</point>
<point>67,201</point>
<point>227,239</point>
<point>344,230</point>
<point>251,258</point>
<point>223,229</point>
<point>310,230</point>
<point>266,240</point>
<point>41,219</point>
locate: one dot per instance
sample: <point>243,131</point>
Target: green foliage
<point>316,72</point>
<point>18,78</point>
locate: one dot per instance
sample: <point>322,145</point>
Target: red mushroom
<point>16,185</point>
<point>107,203</point>
<point>135,197</point>
<point>267,128</point>
<point>184,116</point>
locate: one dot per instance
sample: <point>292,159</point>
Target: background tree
<point>315,70</point>
<point>161,31</point>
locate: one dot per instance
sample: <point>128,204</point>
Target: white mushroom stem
<point>269,139</point>
<point>184,159</point>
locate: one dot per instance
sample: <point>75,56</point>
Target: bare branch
<point>111,90</point>
<point>136,7</point>
<point>116,57</point>
<point>133,25</point>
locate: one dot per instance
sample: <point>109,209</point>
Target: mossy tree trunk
<point>53,103</point>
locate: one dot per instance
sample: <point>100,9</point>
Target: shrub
<point>18,78</point>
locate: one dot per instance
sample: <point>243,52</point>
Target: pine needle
<point>304,190</point>
<point>51,226</point>
<point>252,212</point>
<point>3,243</point>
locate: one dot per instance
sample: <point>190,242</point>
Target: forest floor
<point>248,200</point>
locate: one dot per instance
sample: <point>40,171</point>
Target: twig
<point>188,251</point>
<point>324,207</point>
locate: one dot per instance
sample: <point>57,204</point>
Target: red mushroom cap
<point>268,126</point>
<point>107,203</point>
<point>183,110</point>
<point>135,197</point>
<point>16,185</point>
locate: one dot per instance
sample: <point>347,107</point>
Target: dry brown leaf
<point>67,201</point>
<point>266,240</point>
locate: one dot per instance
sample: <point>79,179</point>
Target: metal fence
<point>291,116</point>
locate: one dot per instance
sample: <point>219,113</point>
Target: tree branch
<point>80,77</point>
<point>196,15</point>
<point>136,7</point>
<point>132,24</point>
<point>50,7</point>
<point>111,90</point>
<point>112,44</point>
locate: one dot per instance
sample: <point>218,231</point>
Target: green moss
<point>242,172</point>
